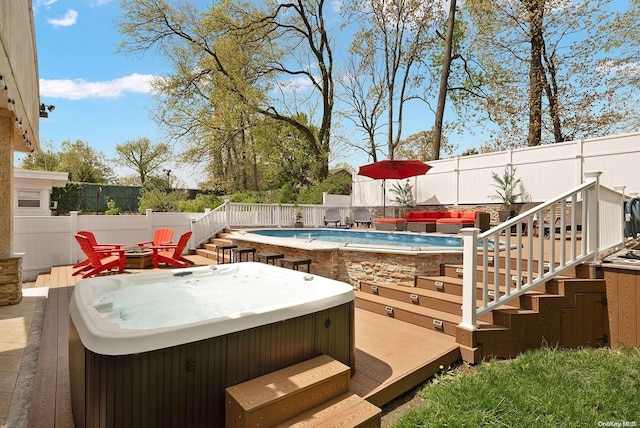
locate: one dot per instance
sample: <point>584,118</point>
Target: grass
<point>541,388</point>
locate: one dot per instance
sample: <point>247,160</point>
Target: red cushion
<point>413,215</point>
<point>469,215</point>
<point>450,214</point>
<point>390,220</point>
<point>433,215</point>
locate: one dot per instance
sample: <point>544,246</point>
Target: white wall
<point>546,171</point>
<point>36,181</point>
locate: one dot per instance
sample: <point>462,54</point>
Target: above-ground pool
<point>399,240</point>
<point>159,348</point>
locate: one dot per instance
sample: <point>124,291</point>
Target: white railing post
<point>148,214</point>
<point>227,213</point>
<point>73,228</point>
<point>620,189</point>
<point>592,204</point>
<point>469,268</point>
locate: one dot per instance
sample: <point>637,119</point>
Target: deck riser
<point>407,316</point>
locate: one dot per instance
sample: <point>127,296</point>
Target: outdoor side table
<point>239,251</point>
<point>296,262</point>
<point>270,257</point>
<point>224,249</point>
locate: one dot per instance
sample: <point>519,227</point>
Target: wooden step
<point>347,410</point>
<point>278,396</point>
<point>431,319</point>
<point>453,286</point>
<point>206,252</point>
<point>450,303</point>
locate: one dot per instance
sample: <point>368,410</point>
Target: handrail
<point>210,224</point>
<point>578,209</point>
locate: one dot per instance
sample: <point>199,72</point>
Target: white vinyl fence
<point>48,241</point>
<point>545,171</point>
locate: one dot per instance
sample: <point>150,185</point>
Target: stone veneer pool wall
<point>353,265</point>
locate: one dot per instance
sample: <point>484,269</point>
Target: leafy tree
<point>45,160</point>
<point>144,157</point>
<point>84,164</point>
<point>546,64</point>
<point>199,204</point>
<point>158,199</point>
<point>336,184</point>
<point>234,61</point>
<point>420,146</point>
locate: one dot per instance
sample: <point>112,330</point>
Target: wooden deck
<point>391,356</point>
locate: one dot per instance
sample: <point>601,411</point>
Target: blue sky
<point>103,97</point>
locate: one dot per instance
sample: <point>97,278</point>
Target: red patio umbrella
<point>393,169</point>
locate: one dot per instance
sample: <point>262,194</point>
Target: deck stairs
<point>209,251</point>
<point>550,315</point>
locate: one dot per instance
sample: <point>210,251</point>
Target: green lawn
<point>541,388</point>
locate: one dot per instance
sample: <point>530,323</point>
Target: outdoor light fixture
<point>45,110</point>
<point>11,105</point>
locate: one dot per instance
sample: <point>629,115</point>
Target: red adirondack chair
<point>94,243</point>
<point>172,254</point>
<point>160,237</point>
<point>99,259</point>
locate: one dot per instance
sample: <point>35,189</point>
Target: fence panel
<point>544,170</point>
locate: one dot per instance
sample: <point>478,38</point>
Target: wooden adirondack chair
<point>94,243</point>
<point>99,259</point>
<point>160,237</point>
<point>171,254</point>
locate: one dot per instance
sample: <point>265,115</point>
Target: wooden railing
<point>586,220</point>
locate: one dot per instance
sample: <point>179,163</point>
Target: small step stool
<point>296,262</point>
<point>270,257</point>
<point>314,392</point>
<point>239,251</point>
<point>224,249</point>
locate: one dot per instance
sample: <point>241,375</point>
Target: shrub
<point>112,209</point>
<point>160,201</point>
<point>199,204</point>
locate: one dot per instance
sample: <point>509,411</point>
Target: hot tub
<point>158,349</point>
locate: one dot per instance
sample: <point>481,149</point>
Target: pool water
<point>343,236</point>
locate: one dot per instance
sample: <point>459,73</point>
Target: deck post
<point>620,189</point>
<point>469,282</point>
<point>592,211</point>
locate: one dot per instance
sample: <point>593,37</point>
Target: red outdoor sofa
<point>436,221</point>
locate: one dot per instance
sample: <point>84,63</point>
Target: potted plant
<point>404,194</point>
<point>507,191</point>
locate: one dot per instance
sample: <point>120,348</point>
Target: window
<point>28,199</point>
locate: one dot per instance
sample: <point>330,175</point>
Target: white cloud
<point>45,3</point>
<point>79,89</point>
<point>67,20</point>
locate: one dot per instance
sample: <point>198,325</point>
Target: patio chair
<point>557,225</point>
<point>94,243</point>
<point>524,225</point>
<point>361,215</point>
<point>332,215</point>
<point>99,259</point>
<point>160,237</point>
<point>171,254</point>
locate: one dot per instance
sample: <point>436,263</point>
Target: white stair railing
<point>210,224</point>
<point>575,218</point>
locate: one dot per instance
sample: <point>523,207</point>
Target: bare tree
<point>394,34</point>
